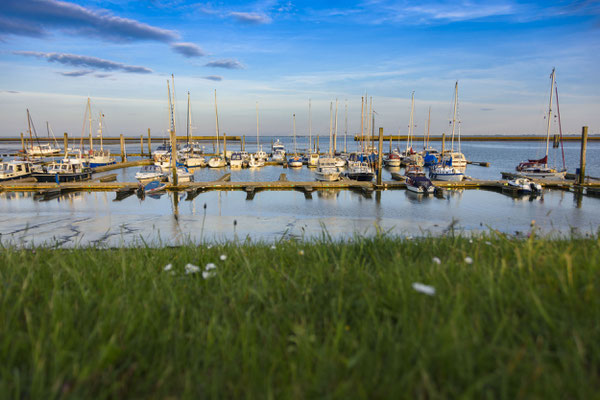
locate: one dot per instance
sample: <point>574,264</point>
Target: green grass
<point>340,321</point>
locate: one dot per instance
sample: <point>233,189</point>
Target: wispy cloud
<point>226,63</point>
<point>102,75</point>
<point>85,61</point>
<point>9,91</point>
<point>251,18</point>
<point>75,74</point>
<point>35,17</point>
<point>188,50</point>
<point>215,78</point>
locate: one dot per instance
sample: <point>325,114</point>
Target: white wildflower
<point>488,243</point>
<point>223,257</point>
<point>436,260</point>
<point>301,252</point>
<point>470,240</point>
<point>210,266</point>
<point>191,268</point>
<point>168,267</point>
<point>425,289</point>
<point>273,247</point>
<point>208,274</point>
<point>468,260</point>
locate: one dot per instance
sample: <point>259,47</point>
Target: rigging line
<point>560,129</point>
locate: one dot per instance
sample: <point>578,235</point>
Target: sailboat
<point>451,158</point>
<point>313,156</point>
<point>430,154</point>
<point>327,169</point>
<point>539,168</point>
<point>39,150</point>
<point>98,158</point>
<point>218,161</point>
<point>295,161</point>
<point>191,152</point>
<point>410,156</point>
<point>259,158</point>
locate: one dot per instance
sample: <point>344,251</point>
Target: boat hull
<point>456,177</point>
<point>361,176</point>
<point>65,177</point>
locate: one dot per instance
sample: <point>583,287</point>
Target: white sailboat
<point>313,155</point>
<point>295,161</point>
<point>451,158</point>
<point>218,161</point>
<point>539,168</point>
<point>260,156</point>
<point>39,150</point>
<point>327,169</point>
<point>192,152</point>
<point>98,158</point>
<point>410,156</point>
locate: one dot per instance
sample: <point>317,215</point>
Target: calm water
<point>95,218</point>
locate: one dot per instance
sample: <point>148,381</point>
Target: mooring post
<point>142,145</point>
<point>244,143</point>
<point>225,146</point>
<point>390,144</point>
<point>443,144</point>
<point>22,142</point>
<point>380,157</point>
<point>122,148</point>
<point>318,145</point>
<point>584,136</point>
<point>149,144</point>
<point>66,142</point>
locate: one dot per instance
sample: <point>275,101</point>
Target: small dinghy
<point>524,185</point>
<point>154,187</point>
<point>419,184</point>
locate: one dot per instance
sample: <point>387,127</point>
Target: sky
<point>278,55</point>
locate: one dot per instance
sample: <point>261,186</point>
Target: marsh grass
<point>319,319</point>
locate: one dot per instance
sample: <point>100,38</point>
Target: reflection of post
<point>380,156</point>
<point>584,136</point>
<point>578,193</point>
<point>175,205</point>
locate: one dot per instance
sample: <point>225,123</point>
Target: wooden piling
<point>443,145</point>
<point>225,146</point>
<point>243,142</point>
<point>390,144</point>
<point>584,136</point>
<point>22,142</point>
<point>318,146</point>
<point>555,141</point>
<point>149,144</point>
<point>142,145</point>
<point>122,148</point>
<point>380,157</point>
<point>66,142</point>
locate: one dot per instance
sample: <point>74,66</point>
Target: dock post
<point>555,142</point>
<point>244,143</point>
<point>149,144</point>
<point>584,136</point>
<point>22,142</point>
<point>225,146</point>
<point>318,145</point>
<point>122,148</point>
<point>380,157</point>
<point>66,142</point>
<point>390,144</point>
<point>142,145</point>
<point>443,145</point>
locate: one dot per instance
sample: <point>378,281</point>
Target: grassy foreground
<point>304,320</point>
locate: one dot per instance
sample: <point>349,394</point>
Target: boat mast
<point>29,127</point>
<point>410,123</point>
<point>309,128</point>
<point>294,120</point>
<point>428,126</point>
<point>454,113</point>
<point>257,134</point>
<point>189,121</point>
<point>552,76</point>
<point>217,123</point>
<point>362,120</point>
<point>560,128</point>
<point>330,125</point>
<point>336,127</point>
<point>346,128</point>
<point>89,111</point>
<point>368,116</point>
<point>100,131</point>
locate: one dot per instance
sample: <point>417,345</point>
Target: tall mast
<point>189,120</point>
<point>217,123</point>
<point>309,127</point>
<point>372,122</point>
<point>549,114</point>
<point>100,131</point>
<point>410,123</point>
<point>368,116</point>
<point>330,125</point>
<point>294,119</point>
<point>336,127</point>
<point>346,128</point>
<point>362,121</point>
<point>428,125</point>
<point>29,127</point>
<point>89,110</point>
<point>454,114</point>
<point>174,145</point>
<point>257,134</point>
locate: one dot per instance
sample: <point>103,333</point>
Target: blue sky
<point>54,54</point>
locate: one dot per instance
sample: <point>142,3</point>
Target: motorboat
<point>255,162</point>
<point>183,175</point>
<point>414,170</point>
<point>360,171</point>
<point>393,159</point>
<point>295,162</point>
<point>339,162</point>
<point>419,184</point>
<point>327,170</point>
<point>154,186</point>
<point>192,160</point>
<point>441,172</point>
<point>524,185</point>
<point>64,172</point>
<point>150,173</point>
<point>100,158</point>
<point>278,155</point>
<point>15,169</point>
<point>236,160</point>
<point>313,160</point>
<point>43,150</point>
